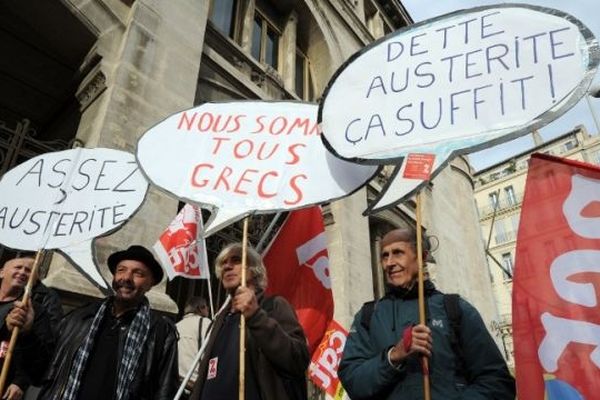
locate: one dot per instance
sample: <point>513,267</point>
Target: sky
<point>587,11</point>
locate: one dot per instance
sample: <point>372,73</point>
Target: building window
<point>265,41</point>
<point>596,157</point>
<point>303,81</point>
<point>507,263</point>
<point>493,199</point>
<point>500,230</point>
<point>510,195</point>
<point>223,16</point>
<point>570,145</point>
<point>515,222</point>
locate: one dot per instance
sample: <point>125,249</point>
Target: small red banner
<point>419,166</point>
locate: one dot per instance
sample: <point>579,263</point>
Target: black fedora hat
<point>136,253</point>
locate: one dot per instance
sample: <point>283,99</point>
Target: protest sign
<point>453,84</point>
<point>245,157</point>
<point>63,200</point>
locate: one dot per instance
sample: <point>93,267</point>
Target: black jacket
<point>50,301</point>
<point>33,349</point>
<point>156,376</point>
<point>276,347</point>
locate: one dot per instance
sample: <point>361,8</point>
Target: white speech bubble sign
<point>245,157</point>
<point>453,84</point>
<point>65,199</point>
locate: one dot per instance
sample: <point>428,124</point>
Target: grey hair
<point>254,263</point>
<point>194,304</point>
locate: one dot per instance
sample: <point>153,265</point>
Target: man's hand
<point>20,316</point>
<point>245,301</point>
<point>416,339</point>
<point>13,392</point>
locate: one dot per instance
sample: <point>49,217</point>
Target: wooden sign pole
<point>421,287</point>
<point>242,376</point>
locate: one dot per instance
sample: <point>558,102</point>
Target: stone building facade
<point>110,69</point>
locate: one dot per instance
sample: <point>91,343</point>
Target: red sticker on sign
<point>419,166</point>
<point>212,368</point>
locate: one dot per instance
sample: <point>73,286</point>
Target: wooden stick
<point>242,379</point>
<point>16,329</point>
<point>422,317</point>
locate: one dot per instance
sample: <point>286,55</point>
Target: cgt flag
<point>298,269</point>
<point>180,249</point>
<point>326,360</point>
<point>556,318</point>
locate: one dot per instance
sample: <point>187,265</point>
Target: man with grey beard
<point>117,348</point>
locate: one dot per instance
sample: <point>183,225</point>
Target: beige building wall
<point>503,185</point>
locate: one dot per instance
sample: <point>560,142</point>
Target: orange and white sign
<point>326,360</point>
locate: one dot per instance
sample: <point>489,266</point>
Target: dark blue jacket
<point>366,374</point>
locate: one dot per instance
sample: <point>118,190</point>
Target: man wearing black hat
<point>117,348</point>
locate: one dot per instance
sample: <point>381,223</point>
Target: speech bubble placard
<point>65,199</point>
<point>454,84</point>
<point>245,157</point>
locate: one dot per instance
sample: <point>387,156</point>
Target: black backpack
<point>454,313</point>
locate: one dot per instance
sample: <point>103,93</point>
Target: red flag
<point>298,269</point>
<point>180,249</point>
<point>556,318</point>
<point>326,360</point>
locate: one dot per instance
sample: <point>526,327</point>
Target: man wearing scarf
<point>383,352</point>
<point>118,348</point>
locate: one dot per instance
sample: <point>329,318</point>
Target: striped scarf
<point>134,344</point>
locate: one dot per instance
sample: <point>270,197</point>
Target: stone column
<point>244,31</point>
<point>149,70</point>
<point>349,256</point>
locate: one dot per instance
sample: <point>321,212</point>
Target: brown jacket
<point>275,345</point>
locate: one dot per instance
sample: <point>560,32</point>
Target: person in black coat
<point>117,348</point>
<point>35,342</point>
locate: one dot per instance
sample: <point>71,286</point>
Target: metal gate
<point>19,143</point>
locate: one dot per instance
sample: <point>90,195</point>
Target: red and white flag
<point>326,360</point>
<point>180,249</point>
<point>556,285</point>
<point>297,265</point>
